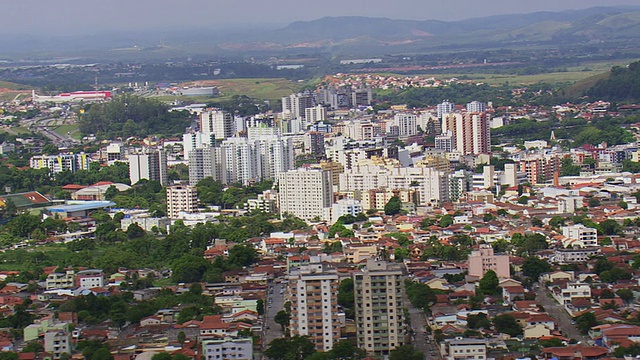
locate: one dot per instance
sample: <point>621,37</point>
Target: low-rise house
<point>575,352</point>
<point>510,293</point>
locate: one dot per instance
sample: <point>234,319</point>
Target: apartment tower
<point>314,304</point>
<point>378,305</point>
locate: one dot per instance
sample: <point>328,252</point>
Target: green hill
<point>620,84</point>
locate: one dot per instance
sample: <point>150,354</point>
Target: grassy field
<point>260,88</point>
<point>16,129</point>
<point>571,75</point>
<point>13,86</point>
<point>73,129</point>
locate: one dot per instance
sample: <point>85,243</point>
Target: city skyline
<point>73,17</point>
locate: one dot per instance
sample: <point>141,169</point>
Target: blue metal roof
<point>87,205</point>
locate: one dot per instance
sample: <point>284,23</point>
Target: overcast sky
<point>91,16</point>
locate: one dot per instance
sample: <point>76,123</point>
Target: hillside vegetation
<point>622,84</point>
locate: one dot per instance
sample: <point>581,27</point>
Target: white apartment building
<point>476,106</point>
<point>305,193</point>
<point>181,198</point>
<point>242,161</point>
<point>579,235</point>
<point>150,166</point>
<point>430,184</point>
<point>205,162</point>
<point>314,304</point>
<point>378,301</point>
<point>57,342</point>
<point>445,107</point>
<point>294,105</point>
<point>573,291</point>
<point>88,279</point>
<point>239,159</point>
<point>61,162</point>
<point>464,349</point>
<point>227,349</point>
<point>315,114</point>
<point>217,122</point>
<point>446,141</point>
<point>407,124</point>
<point>196,140</point>
<point>345,207</point>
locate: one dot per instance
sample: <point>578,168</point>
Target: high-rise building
<point>483,260</point>
<point>181,198</point>
<point>314,304</point>
<point>217,122</point>
<point>471,131</point>
<point>444,108</point>
<point>476,106</point>
<point>294,105</point>
<point>150,166</point>
<point>305,193</point>
<point>361,97</point>
<point>315,114</point>
<point>196,140</point>
<point>205,162</point>
<point>407,124</point>
<point>241,161</point>
<point>378,289</point>
<point>446,141</point>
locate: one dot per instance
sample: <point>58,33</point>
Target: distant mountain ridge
<point>353,35</point>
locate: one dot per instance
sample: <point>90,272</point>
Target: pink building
<point>483,259</point>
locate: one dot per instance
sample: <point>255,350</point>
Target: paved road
<point>421,340</point>
<point>558,312</point>
<point>274,303</point>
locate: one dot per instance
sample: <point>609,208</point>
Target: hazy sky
<point>90,16</point>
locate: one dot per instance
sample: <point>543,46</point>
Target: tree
<point>33,347</point>
<point>507,324</point>
<point>405,352</point>
<point>523,200</point>
<point>134,231</point>
<point>489,283</point>
<point>611,227</point>
<point>478,321</point>
<point>536,222</point>
<point>533,267</point>
<point>446,221</point>
<point>586,321</point>
<point>607,294</point>
<point>111,192</point>
<point>260,306</point>
<point>393,206</point>
<point>626,295</point>
<point>182,337</point>
<point>593,202</point>
<point>345,293</point>
<point>161,356</point>
<point>294,348</point>
<point>50,149</point>
<point>345,349</point>
<point>282,318</point>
